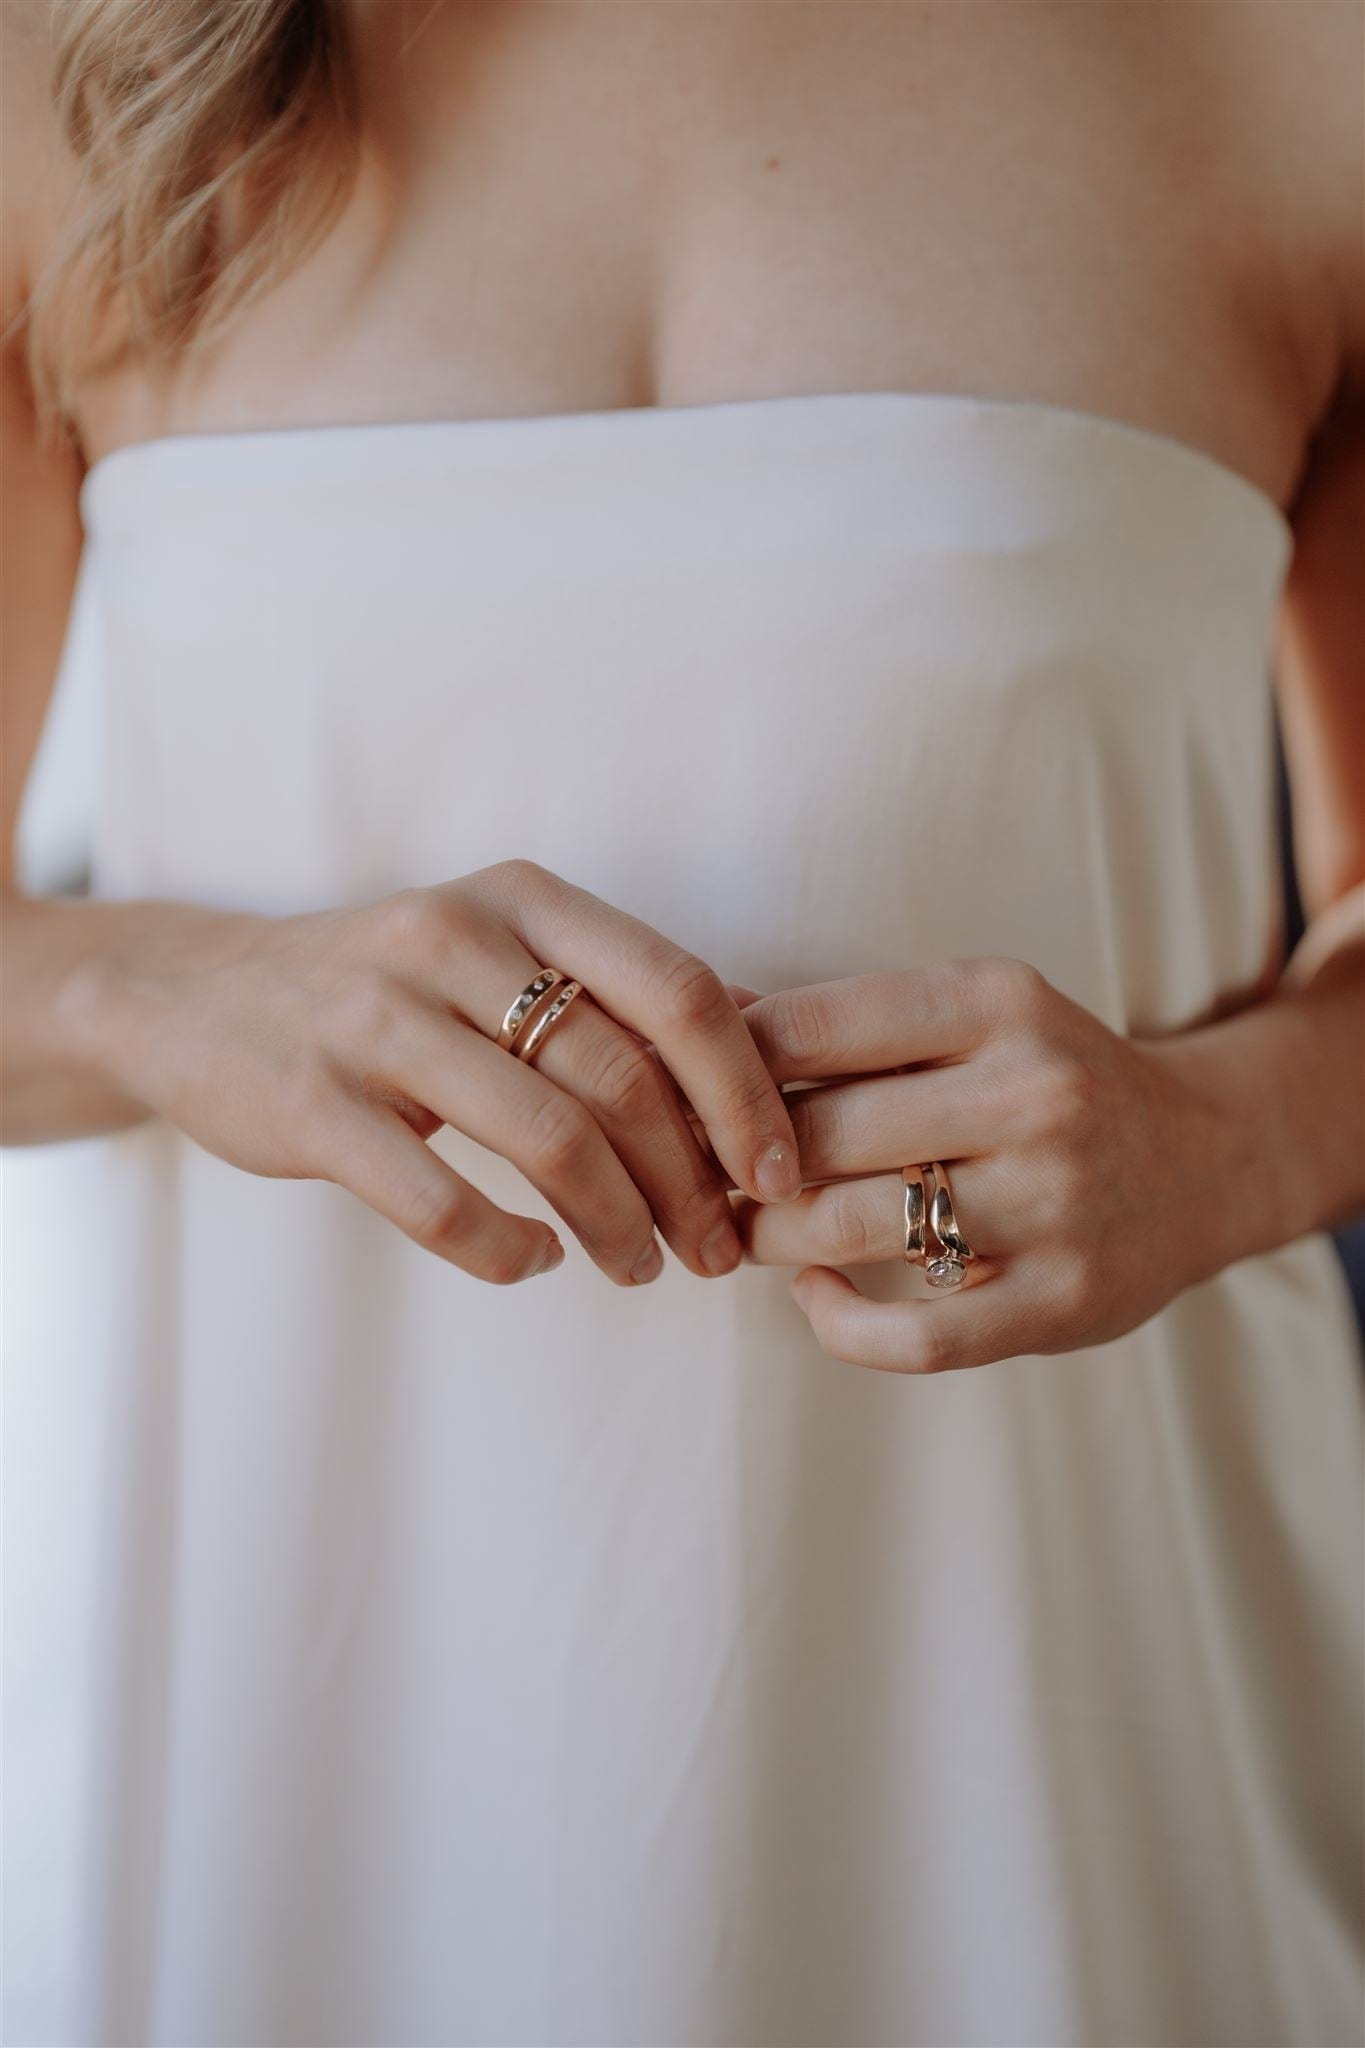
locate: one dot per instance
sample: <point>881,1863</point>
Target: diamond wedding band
<point>513,1032</point>
<point>929,1208</point>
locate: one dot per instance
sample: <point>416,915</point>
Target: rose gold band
<point>522,1038</point>
<point>532,1039</point>
<point>928,1199</point>
<point>519,1010</point>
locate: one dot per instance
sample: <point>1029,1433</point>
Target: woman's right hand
<point>331,1044</point>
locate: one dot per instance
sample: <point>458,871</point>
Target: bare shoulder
<point>1294,71</point>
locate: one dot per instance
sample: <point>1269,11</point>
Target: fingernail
<point>801,1293</point>
<point>649,1265</point>
<point>722,1250</point>
<point>777,1174</point>
<point>554,1256</point>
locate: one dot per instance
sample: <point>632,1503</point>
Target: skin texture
<point>1151,212</point>
<point>330,1045</point>
<point>1058,1131</point>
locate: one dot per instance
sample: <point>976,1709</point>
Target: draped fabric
<point>565,1664</point>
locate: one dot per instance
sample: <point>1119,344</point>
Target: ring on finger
<point>522,1005</point>
<point>929,1208</point>
<point>523,1039</point>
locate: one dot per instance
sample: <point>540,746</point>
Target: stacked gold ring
<point>929,1207</point>
<point>513,1032</point>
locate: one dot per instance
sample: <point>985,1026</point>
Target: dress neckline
<point>1120,433</point>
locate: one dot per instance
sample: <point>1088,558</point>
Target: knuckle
<point>1069,1090</point>
<point>455,911</point>
<point>628,1083</point>
<point>520,879</point>
<point>559,1135</point>
<point>850,1230</point>
<point>696,1206</point>
<point>687,994</point>
<point>437,1216</point>
<point>414,922</point>
<point>820,1119</point>
<point>933,1347</point>
<point>834,1333</point>
<point>689,1210</point>
<point>696,1209</point>
<point>799,1022</point>
<point>749,1096</point>
<point>1008,988</point>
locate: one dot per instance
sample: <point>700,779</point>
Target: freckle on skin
<point>771,164</point>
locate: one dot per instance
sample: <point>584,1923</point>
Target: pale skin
<point>1150,212</point>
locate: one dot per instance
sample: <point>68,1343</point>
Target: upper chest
<point>1136,210</point>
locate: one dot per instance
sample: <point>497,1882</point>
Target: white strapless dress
<point>571,1665</point>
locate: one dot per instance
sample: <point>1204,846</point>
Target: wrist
<point>113,999</point>
<point>1267,1110</point>
<point>91,1022</point>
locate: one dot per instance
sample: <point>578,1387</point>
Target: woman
<point>780,517</point>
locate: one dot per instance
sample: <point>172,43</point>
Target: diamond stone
<point>944,1272</point>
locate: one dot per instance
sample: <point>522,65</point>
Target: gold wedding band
<point>513,1032</point>
<point>929,1202</point>
<point>914,1215</point>
<point>547,1020</point>
<point>519,1010</point>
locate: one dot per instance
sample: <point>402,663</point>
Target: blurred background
<point>52,1255</point>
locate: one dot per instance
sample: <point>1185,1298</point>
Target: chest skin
<point>1142,211</point>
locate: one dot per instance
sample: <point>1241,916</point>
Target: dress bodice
<point>817,685</point>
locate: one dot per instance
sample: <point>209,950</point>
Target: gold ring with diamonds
<point>519,1010</point>
<point>532,1017</point>
<point>929,1200</point>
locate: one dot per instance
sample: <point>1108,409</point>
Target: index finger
<point>681,1006</point>
<point>869,1023</point>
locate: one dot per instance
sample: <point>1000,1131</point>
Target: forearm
<point>60,958</point>
<point>1276,1128</point>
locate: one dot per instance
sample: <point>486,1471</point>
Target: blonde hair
<point>215,140</point>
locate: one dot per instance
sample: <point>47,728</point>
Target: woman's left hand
<point>1082,1162</point>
